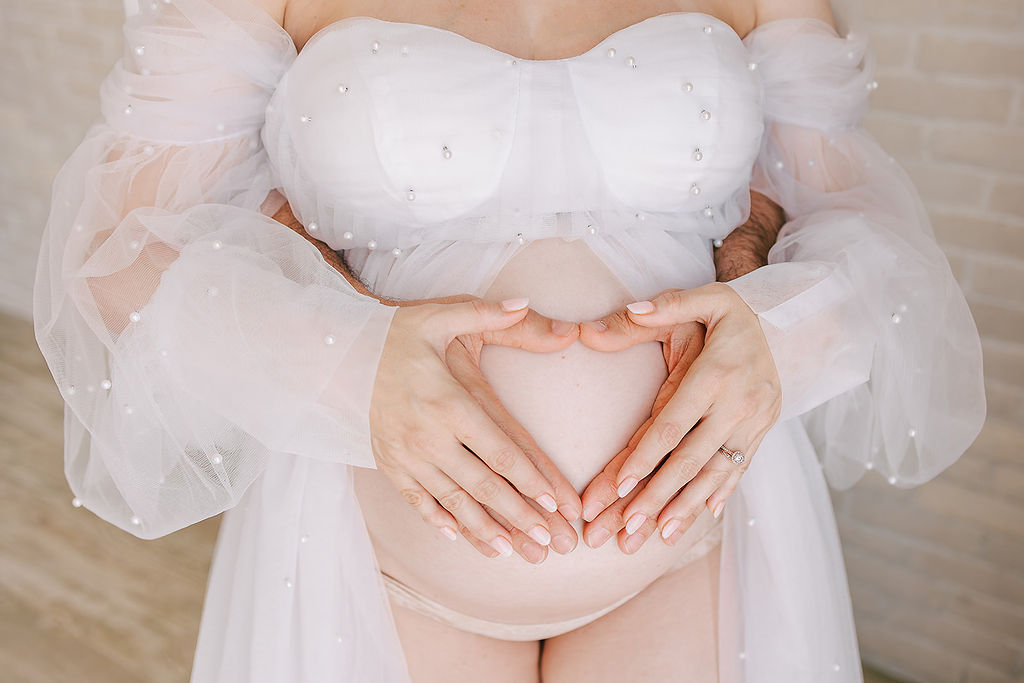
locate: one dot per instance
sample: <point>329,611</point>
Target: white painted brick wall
<point>937,573</point>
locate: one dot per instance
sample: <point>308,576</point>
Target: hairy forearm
<point>746,248</point>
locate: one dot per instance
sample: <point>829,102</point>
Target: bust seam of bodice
<point>339,24</point>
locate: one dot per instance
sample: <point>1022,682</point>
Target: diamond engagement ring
<point>736,456</point>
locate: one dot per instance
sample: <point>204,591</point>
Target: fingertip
<point>570,512</point>
<point>626,485</point>
<point>516,304</point>
<point>591,510</point>
<point>564,328</point>
<point>640,307</point>
<point>547,501</point>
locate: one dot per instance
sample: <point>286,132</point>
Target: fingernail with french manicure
<point>449,533</point>
<point>571,514</point>
<point>547,501</point>
<point>597,537</point>
<point>635,522</point>
<point>640,307</point>
<point>510,305</point>
<point>540,534</point>
<point>502,545</point>
<point>533,552</point>
<point>563,328</point>
<point>626,486</point>
<point>596,325</point>
<point>634,542</point>
<point>562,543</point>
<point>670,528</point>
<point>592,510</point>
<point>717,512</point>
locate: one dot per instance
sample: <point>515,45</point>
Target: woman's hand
<point>442,450</point>
<point>729,396</point>
<point>463,358</point>
<point>532,332</point>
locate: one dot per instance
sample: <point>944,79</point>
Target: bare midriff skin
<point>582,406</point>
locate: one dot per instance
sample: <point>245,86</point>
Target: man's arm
<point>285,216</point>
<point>746,248</point>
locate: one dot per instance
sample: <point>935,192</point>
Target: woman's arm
<point>856,317</point>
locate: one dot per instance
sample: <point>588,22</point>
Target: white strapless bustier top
<point>389,134</point>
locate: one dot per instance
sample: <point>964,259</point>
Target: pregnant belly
<point>581,406</point>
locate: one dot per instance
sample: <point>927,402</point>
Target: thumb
<point>476,316</point>
<point>536,333</point>
<point>615,332</point>
<point>675,306</point>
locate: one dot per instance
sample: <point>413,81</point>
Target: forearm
<point>285,216</point>
<point>746,248</point>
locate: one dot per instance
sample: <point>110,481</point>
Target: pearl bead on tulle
<point>611,52</point>
<point>371,245</point>
<point>329,339</point>
<point>375,47</point>
<point>76,502</point>
<point>346,235</point>
<point>105,384</point>
<point>135,316</point>
<point>446,153</point>
<point>631,61</point>
<point>217,459</point>
<point>136,521</point>
<point>697,154</point>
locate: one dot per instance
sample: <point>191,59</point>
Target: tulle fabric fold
<point>191,336</point>
<point>876,348</point>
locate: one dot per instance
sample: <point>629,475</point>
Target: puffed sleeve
<point>875,345</point>
<point>191,336</point>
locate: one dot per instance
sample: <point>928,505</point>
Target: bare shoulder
<point>770,10</point>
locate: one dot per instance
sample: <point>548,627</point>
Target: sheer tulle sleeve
<point>191,336</point>
<point>874,343</point>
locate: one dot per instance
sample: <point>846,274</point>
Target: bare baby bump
<point>581,406</point>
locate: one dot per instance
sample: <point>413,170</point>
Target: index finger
<point>566,500</point>
<point>684,409</point>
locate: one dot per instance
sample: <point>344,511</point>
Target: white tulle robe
<point>212,361</point>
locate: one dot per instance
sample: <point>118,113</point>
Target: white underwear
<point>404,596</point>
